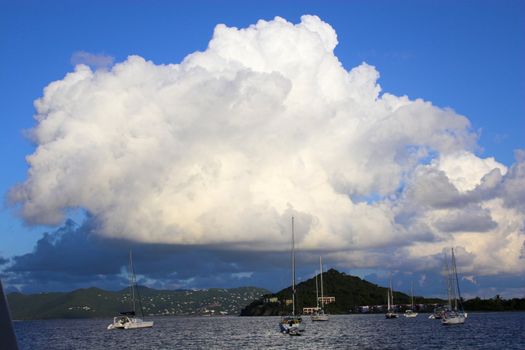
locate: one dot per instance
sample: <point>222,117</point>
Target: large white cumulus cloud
<point>266,123</point>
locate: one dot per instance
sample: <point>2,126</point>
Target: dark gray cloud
<point>76,256</point>
<point>514,183</point>
<point>431,187</point>
<point>470,219</point>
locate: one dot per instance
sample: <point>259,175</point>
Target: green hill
<point>350,292</point>
<point>94,302</point>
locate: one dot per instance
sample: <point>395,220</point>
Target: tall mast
<point>131,279</point>
<point>412,294</point>
<point>322,293</point>
<point>391,292</point>
<point>457,280</point>
<point>316,293</point>
<point>293,269</point>
<point>388,293</point>
<point>449,282</point>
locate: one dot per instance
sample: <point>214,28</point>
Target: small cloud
<point>240,275</point>
<point>422,280</point>
<point>93,60</point>
<point>500,138</point>
<point>471,279</point>
<point>469,219</point>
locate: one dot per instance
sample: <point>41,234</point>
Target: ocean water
<point>481,331</point>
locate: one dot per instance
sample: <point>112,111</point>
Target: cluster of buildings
<point>365,309</point>
<point>315,309</point>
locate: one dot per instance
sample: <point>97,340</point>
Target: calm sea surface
<point>481,331</point>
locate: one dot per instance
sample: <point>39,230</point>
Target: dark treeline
<point>495,304</point>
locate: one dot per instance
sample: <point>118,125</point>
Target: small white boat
<point>320,315</point>
<point>127,320</point>
<point>292,324</point>
<point>391,315</point>
<point>390,308</point>
<point>456,315</point>
<point>410,312</point>
<point>453,317</point>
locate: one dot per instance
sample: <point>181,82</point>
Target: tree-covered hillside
<point>94,302</point>
<point>350,292</point>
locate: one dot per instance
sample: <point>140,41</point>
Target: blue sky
<point>463,55</point>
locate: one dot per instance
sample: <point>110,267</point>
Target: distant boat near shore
<point>410,313</point>
<point>319,315</point>
<point>292,324</point>
<point>390,312</point>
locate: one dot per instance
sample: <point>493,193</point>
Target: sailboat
<point>292,324</point>
<point>319,315</point>
<point>127,319</point>
<point>390,297</point>
<point>455,313</point>
<point>410,312</point>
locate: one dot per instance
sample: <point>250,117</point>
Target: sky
<point>193,131</point>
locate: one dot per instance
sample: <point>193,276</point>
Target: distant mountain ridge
<point>350,293</point>
<point>94,302</point>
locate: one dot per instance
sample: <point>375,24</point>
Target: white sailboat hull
<point>319,317</point>
<point>458,319</point>
<point>291,328</point>
<point>139,324</point>
<point>410,314</point>
<point>129,323</point>
<point>291,325</point>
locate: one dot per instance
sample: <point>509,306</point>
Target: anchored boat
<point>319,315</point>
<point>390,313</point>
<point>292,324</point>
<point>128,319</point>
<point>456,314</point>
